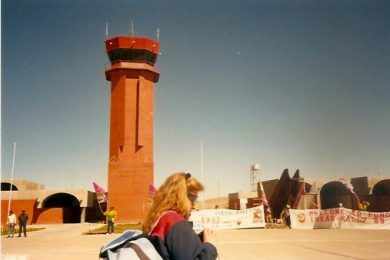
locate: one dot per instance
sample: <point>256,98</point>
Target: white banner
<point>339,218</point>
<point>228,218</point>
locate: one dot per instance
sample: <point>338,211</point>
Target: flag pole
<point>100,207</point>
<point>12,177</point>
<point>202,168</point>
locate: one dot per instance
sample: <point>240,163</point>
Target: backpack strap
<point>138,251</point>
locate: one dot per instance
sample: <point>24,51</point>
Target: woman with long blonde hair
<point>167,220</point>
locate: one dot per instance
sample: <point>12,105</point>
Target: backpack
<point>130,245</point>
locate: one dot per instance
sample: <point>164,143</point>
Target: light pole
<point>254,176</point>
<point>12,177</point>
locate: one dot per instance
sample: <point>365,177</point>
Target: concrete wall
<point>24,185</point>
<point>35,215</point>
<point>309,201</point>
<point>31,200</point>
<point>47,215</point>
<point>85,197</point>
<point>50,216</point>
<point>221,202</point>
<point>17,207</point>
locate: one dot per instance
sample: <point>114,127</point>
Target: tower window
<point>132,55</point>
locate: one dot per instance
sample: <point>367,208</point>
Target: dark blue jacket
<point>175,239</point>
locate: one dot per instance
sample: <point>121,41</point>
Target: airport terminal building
<point>48,206</point>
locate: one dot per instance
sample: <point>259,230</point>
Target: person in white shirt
<point>11,222</point>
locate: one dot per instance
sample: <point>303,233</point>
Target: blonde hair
<point>172,195</point>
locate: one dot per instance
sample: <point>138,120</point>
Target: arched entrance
<point>69,203</point>
<point>381,196</point>
<point>5,186</point>
<point>382,188</point>
<point>333,193</point>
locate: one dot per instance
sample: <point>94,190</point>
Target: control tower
<point>130,168</point>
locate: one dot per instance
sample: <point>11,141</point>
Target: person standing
<point>286,216</point>
<point>268,214</point>
<point>110,215</point>
<point>11,222</point>
<point>23,218</point>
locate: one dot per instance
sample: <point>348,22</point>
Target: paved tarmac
<point>66,242</point>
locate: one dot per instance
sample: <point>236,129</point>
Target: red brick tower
<point>130,167</point>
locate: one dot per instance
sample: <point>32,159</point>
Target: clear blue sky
<point>286,84</point>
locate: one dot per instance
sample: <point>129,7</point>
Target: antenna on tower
<point>106,29</point>
<point>158,38</point>
<point>158,34</point>
<point>132,28</point>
